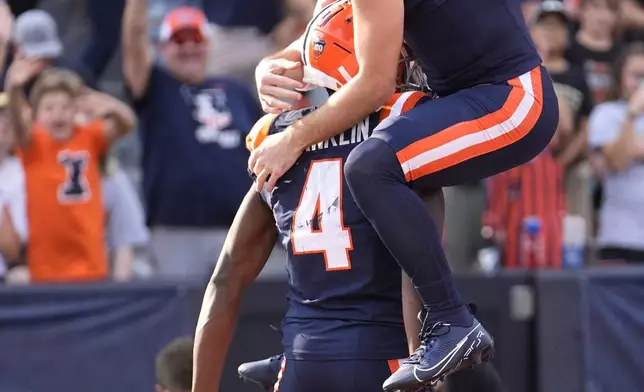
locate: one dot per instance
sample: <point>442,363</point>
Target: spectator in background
<point>6,30</point>
<point>594,47</point>
<point>297,15</point>
<point>550,34</point>
<point>192,129</point>
<point>616,134</point>
<point>529,8</point>
<point>36,38</point>
<point>11,173</point>
<point>125,221</point>
<point>105,17</point>
<point>572,8</point>
<point>632,19</point>
<point>13,215</point>
<point>20,6</point>
<point>126,233</point>
<point>464,205</point>
<point>245,31</point>
<point>531,190</point>
<point>61,161</point>
<point>173,367</point>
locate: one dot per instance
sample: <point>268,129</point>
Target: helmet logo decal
<point>318,48</point>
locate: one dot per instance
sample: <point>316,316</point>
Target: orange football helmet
<point>329,57</point>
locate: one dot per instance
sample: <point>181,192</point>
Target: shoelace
<point>427,337</point>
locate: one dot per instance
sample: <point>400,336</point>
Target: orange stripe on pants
<point>469,139</point>
<point>394,365</point>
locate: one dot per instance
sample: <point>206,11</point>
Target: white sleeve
<point>605,124</point>
<point>126,220</point>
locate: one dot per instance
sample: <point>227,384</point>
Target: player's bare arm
<point>137,54</point>
<point>378,35</point>
<point>281,73</point>
<point>248,245</point>
<point>19,73</point>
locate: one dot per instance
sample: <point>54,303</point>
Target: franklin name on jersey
<point>355,135</point>
<point>344,287</point>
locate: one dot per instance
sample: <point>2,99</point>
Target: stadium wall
<point>555,332</point>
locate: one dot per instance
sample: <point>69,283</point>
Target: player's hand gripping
<point>273,158</point>
<point>276,81</point>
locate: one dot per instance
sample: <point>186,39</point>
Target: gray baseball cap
<point>36,35</point>
<point>552,7</point>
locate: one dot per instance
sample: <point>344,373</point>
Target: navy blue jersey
<point>464,43</point>
<point>344,286</point>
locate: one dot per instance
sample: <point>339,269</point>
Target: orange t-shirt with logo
<point>64,205</point>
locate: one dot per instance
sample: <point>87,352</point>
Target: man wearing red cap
<point>192,129</point>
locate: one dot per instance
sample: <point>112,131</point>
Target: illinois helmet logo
<point>318,48</point>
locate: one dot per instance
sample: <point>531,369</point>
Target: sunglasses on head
<point>188,35</point>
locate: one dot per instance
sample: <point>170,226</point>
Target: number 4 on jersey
<point>322,198</point>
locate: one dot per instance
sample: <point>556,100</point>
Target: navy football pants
<point>464,137</point>
<point>334,376</point>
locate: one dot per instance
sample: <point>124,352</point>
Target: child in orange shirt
<point>62,169</point>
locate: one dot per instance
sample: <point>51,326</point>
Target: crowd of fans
<point>592,50</point>
<point>69,211</point>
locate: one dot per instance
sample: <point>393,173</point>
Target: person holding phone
<point>616,136</point>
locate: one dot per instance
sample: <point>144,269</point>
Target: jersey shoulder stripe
<point>259,132</point>
<point>271,124</point>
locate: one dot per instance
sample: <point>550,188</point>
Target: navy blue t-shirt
<point>194,158</point>
<point>344,286</point>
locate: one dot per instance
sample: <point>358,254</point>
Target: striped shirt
<point>533,189</point>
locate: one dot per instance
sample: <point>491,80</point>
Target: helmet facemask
<point>410,74</point>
